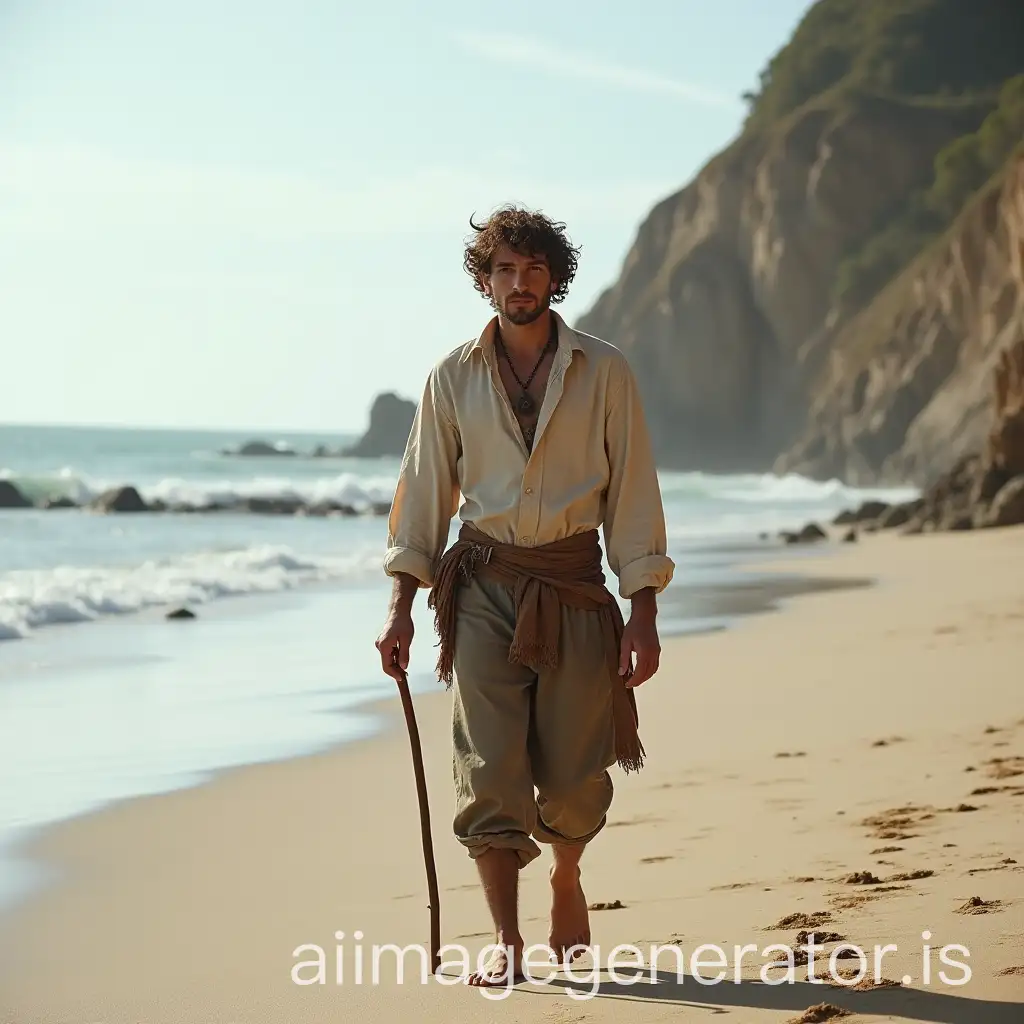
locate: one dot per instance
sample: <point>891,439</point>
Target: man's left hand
<point>640,637</point>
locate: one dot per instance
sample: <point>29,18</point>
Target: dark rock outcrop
<point>128,499</point>
<point>810,534</point>
<point>1008,505</point>
<point>391,419</point>
<point>985,489</point>
<point>260,449</point>
<point>272,506</point>
<point>181,614</point>
<point>11,497</point>
<point>119,499</point>
<point>898,515</point>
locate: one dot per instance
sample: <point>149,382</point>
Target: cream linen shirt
<point>591,464</point>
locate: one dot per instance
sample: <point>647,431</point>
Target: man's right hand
<point>394,642</point>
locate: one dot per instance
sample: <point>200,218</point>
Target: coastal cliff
<point>830,293</point>
<point>907,386</point>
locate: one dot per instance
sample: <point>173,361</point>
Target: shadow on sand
<point>936,1007</point>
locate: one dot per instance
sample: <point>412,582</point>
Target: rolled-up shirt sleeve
<point>427,494</point>
<point>634,522</point>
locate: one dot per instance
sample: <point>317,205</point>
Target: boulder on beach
<point>1008,505</point>
<point>11,497</point>
<point>391,419</point>
<point>985,489</point>
<point>899,515</point>
<point>119,499</point>
<point>810,534</point>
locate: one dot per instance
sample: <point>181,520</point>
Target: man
<point>541,429</point>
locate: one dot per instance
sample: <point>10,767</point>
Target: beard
<point>525,314</point>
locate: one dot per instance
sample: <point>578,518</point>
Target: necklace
<point>526,404</point>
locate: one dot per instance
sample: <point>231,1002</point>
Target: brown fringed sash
<point>543,577</point>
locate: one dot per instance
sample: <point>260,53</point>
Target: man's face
<point>519,287</point>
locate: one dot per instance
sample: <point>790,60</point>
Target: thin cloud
<point>529,53</point>
<point>65,192</point>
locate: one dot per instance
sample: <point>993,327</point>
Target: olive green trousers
<point>531,750</point>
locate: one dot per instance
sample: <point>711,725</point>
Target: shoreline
<point>278,853</point>
<point>737,590</point>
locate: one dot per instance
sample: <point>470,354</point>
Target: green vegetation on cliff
<point>962,54</point>
<point>960,169</point>
<point>909,48</point>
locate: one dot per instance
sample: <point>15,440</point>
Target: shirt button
<point>525,540</point>
<point>529,490</point>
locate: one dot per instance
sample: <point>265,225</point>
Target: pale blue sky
<point>252,214</point>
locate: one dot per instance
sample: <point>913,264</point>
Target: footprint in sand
<point>819,1012</point>
<point>976,905</point>
<point>1011,972</point>
<point>894,823</point>
<point>643,819</point>
<point>800,920</point>
<point>819,938</point>
<point>847,977</point>
<point>1004,767</point>
<point>656,860</point>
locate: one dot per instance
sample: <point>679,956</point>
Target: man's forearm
<point>403,591</point>
<point>645,602</point>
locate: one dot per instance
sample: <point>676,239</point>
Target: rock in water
<point>259,449</point>
<point>120,499</point>
<point>870,510</point>
<point>11,497</point>
<point>390,422</point>
<point>181,613</point>
<point>810,534</point>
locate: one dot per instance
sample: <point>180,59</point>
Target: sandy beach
<point>852,764</point>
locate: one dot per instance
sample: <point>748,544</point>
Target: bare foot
<point>494,973</point>
<point>570,922</point>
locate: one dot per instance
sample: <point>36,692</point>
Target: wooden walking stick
<point>428,846</point>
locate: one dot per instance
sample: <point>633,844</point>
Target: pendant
<point>525,404</point>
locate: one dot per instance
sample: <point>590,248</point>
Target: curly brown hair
<point>528,232</point>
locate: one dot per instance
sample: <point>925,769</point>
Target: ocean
<point>102,698</point>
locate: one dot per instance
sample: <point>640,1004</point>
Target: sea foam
<point>31,599</point>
